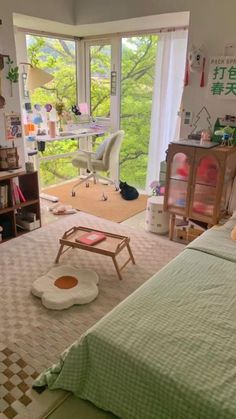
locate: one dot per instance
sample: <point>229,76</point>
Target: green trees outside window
<point>57,56</point>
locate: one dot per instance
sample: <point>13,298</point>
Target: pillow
<point>101,149</point>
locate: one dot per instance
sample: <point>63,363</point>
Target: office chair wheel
<point>73,193</point>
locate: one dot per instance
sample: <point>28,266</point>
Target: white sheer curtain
<point>167,95</point>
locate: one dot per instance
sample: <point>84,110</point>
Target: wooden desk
<point>82,135</point>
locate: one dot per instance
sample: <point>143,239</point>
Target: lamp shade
<point>37,78</point>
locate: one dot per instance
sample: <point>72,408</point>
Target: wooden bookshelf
<point>28,184</point>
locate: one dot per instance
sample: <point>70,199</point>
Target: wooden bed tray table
<point>111,246</point>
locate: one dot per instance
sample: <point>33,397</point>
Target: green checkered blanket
<point>217,242</point>
<point>167,352</point>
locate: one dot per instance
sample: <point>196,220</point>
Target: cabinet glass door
<point>204,196</point>
<point>178,183</point>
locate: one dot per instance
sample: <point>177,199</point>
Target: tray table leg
<point>130,253</point>
<point>117,268</point>
<point>59,253</point>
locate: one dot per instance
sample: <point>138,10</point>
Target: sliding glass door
<point>119,86</point>
<point>137,80</point>
<point>98,78</point>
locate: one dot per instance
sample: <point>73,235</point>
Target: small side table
<point>157,220</point>
<point>112,246</point>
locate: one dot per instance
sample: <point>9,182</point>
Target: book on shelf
<point>22,198</point>
<point>3,195</point>
<point>91,238</point>
<point>18,196</point>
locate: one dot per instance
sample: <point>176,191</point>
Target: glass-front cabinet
<point>197,181</point>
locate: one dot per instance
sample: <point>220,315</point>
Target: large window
<point>100,72</point>
<point>137,79</point>
<point>131,100</point>
<point>56,56</point>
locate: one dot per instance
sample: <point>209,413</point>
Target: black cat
<point>128,192</point>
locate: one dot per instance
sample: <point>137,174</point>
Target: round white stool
<point>156,220</point>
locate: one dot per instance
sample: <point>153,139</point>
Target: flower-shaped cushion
<point>64,286</point>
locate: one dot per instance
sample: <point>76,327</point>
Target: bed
<point>169,350</point>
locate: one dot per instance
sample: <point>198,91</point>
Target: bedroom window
<point>58,57</point>
<point>137,80</point>
<point>123,79</point>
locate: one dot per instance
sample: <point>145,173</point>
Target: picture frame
<point>13,126</point>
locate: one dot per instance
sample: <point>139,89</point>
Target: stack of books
<point>3,195</point>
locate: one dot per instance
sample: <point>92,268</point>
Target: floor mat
<point>32,337</point>
<point>91,200</point>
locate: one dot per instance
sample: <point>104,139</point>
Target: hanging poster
<point>13,126</point>
<point>222,77</point>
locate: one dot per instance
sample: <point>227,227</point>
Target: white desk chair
<point>106,159</point>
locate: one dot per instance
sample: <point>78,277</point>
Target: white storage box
<point>26,224</point>
<point>157,220</point>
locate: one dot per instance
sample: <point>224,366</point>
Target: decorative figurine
<point>196,62</point>
<point>76,110</point>
<point>227,136</point>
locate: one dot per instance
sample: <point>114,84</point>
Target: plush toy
<point>183,166</point>
<point>76,110</point>
<point>233,234</point>
<point>227,135</point>
<point>196,62</point>
<point>208,170</point>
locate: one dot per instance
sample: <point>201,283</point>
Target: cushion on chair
<point>81,161</point>
<point>101,149</point>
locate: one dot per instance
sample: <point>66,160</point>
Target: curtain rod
<point>104,36</point>
<point>47,34</point>
<point>136,33</point>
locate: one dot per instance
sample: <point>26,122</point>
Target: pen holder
<point>29,167</point>
<point>52,129</point>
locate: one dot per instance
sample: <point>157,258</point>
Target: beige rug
<point>32,337</point>
<point>89,200</point>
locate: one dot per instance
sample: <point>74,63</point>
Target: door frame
<point>83,65</point>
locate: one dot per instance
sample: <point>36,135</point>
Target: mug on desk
<point>29,166</point>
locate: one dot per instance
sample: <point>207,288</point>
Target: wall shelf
<point>28,184</point>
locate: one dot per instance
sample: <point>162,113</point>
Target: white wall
<point>56,10</point>
<point>7,46</point>
<point>93,11</point>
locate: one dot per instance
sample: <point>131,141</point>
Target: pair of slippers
<point>62,209</point>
